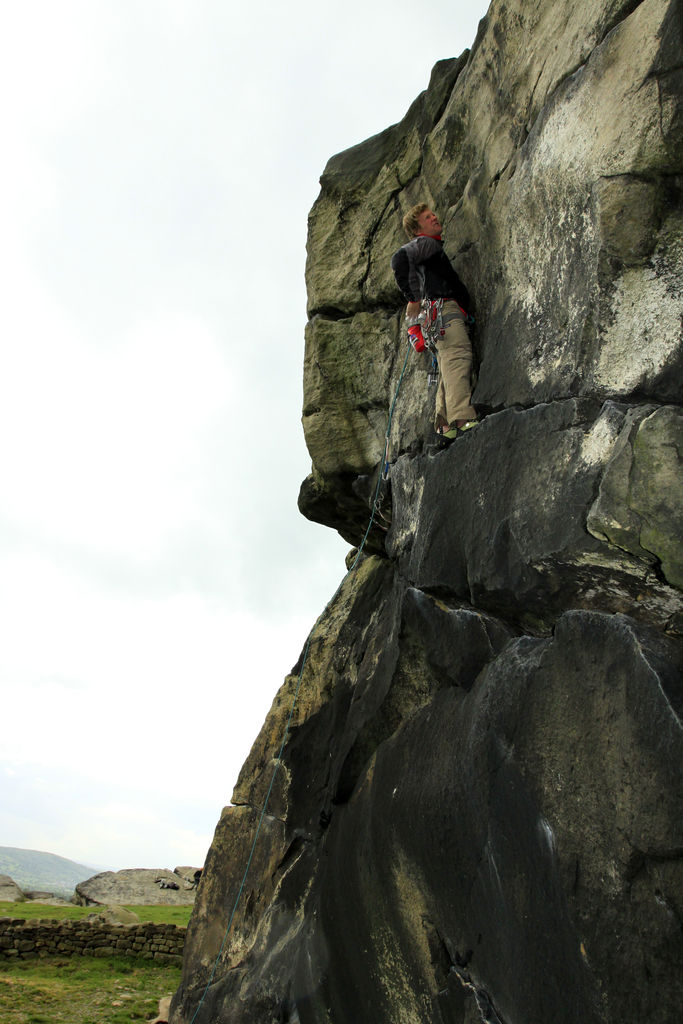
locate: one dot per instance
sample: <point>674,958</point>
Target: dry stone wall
<point>25,940</point>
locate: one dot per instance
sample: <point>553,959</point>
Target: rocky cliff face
<point>476,815</point>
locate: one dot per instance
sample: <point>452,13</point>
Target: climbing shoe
<point>454,432</point>
<point>467,426</point>
<point>447,437</point>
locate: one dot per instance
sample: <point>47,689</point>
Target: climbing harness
<point>426,329</point>
<point>375,510</point>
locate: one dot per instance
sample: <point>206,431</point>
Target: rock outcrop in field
<point>144,886</point>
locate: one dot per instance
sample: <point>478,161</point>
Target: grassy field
<point>83,990</point>
<point>30,911</point>
<point>80,989</point>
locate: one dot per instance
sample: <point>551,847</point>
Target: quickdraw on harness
<point>425,330</point>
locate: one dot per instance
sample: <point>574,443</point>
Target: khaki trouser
<point>454,355</point>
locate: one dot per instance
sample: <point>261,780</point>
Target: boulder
<point>164,1009</point>
<point>10,891</point>
<point>115,915</point>
<point>475,813</point>
<point>144,886</point>
<point>189,875</point>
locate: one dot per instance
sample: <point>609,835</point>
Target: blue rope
<point>298,685</point>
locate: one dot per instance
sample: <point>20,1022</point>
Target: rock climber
<point>424,272</point>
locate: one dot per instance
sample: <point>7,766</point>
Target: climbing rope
<point>375,504</point>
<point>374,511</point>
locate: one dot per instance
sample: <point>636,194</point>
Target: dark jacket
<point>423,271</point>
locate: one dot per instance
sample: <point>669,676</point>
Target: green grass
<point>31,911</point>
<point>83,990</point>
<point>162,915</point>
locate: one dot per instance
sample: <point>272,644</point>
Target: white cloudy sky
<point>156,579</point>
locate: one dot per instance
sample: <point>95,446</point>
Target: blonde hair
<point>410,224</point>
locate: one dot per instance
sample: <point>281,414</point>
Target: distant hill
<point>32,869</point>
